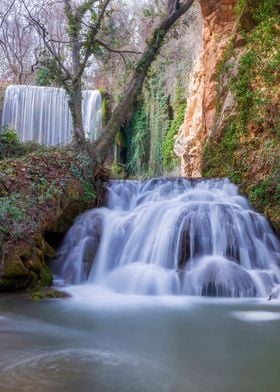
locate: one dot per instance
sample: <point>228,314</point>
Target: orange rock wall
<point>219,22</point>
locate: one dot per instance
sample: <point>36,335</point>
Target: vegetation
<point>38,197</point>
<point>10,145</point>
<point>138,141</point>
<point>149,136</point>
<point>248,148</point>
<point>168,156</point>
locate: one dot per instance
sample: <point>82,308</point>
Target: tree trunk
<point>75,105</point>
<point>121,112</point>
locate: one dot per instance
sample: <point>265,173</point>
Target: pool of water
<point>99,341</point>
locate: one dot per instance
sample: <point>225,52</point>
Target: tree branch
<point>119,51</point>
<point>43,34</point>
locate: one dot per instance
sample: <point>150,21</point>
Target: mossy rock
<point>14,267</point>
<point>45,276</point>
<point>15,283</point>
<point>46,294</point>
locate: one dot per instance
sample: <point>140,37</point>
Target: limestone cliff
<point>232,122</point>
<point>219,21</point>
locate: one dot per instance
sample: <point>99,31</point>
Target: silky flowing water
<point>140,272</point>
<point>42,114</point>
<point>173,236</point>
<point>106,342</point>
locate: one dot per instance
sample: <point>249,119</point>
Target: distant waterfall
<point>42,114</point>
<point>173,236</point>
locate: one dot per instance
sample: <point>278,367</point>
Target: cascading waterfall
<point>42,114</point>
<point>173,236</point>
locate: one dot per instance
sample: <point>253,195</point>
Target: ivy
<point>138,143</point>
<point>168,156</point>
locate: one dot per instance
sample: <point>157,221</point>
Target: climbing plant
<point>169,158</point>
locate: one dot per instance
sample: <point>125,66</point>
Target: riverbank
<point>41,193</point>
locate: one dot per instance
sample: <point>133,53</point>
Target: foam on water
<point>253,316</point>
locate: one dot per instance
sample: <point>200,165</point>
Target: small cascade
<point>173,236</point>
<point>42,114</point>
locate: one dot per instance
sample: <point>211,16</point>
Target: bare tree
<point>18,45</point>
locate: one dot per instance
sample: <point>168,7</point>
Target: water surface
<point>99,341</point>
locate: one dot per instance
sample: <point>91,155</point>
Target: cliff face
<point>232,122</point>
<point>219,22</point>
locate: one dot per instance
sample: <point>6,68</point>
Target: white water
<point>42,114</point>
<point>173,236</point>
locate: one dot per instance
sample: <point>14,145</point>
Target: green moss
<point>43,294</point>
<point>45,277</point>
<point>104,105</point>
<point>138,143</point>
<point>168,157</point>
<point>239,7</point>
<point>265,193</point>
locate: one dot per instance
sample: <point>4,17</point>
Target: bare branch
<point>113,50</point>
<point>43,33</point>
<point>7,12</point>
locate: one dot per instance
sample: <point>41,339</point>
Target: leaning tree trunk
<point>121,113</point>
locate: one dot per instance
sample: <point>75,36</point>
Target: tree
<point>84,34</point>
<point>18,48</point>
<point>175,9</point>
<point>81,37</point>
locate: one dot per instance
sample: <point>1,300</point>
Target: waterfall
<point>173,236</point>
<point>42,114</point>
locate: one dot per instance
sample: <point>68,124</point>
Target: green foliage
<point>239,6</point>
<point>44,77</point>
<point>9,209</point>
<point>241,84</point>
<point>118,170</point>
<point>9,143</point>
<point>10,146</point>
<point>8,136</point>
<point>82,171</point>
<point>48,73</point>
<point>138,142</point>
<point>266,9</point>
<point>158,107</point>
<point>39,180</point>
<point>266,192</point>
<point>45,278</point>
<point>218,157</point>
<point>150,133</point>
<point>168,157</point>
<point>89,193</point>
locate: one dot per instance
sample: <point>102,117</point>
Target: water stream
<point>131,324</point>
<point>173,237</point>
<point>105,342</point>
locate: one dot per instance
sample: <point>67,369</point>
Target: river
<point>101,341</point>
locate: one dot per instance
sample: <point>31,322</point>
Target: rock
<point>239,41</point>
<point>44,294</point>
<point>219,22</point>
